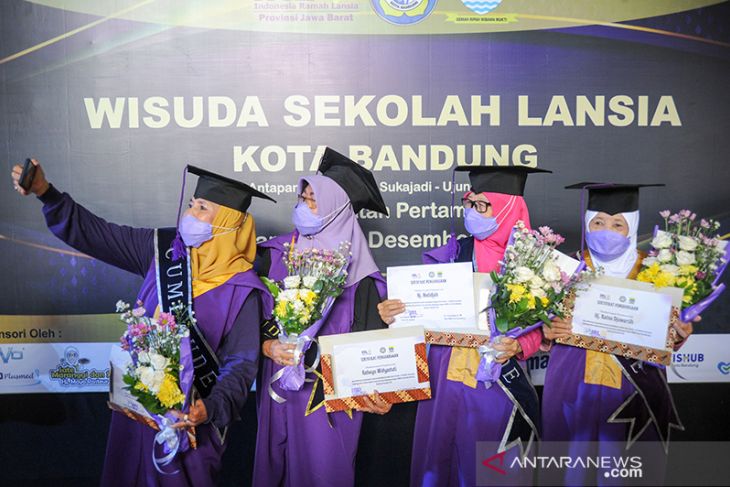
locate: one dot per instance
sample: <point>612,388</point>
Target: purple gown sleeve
<point>124,247</point>
<point>238,355</point>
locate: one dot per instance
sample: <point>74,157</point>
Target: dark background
<point>132,176</point>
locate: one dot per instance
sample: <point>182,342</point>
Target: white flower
<point>685,258</point>
<point>121,306</point>
<point>151,378</point>
<point>144,357</point>
<point>649,261</point>
<point>664,255</point>
<point>292,282</point>
<point>523,274</point>
<point>158,362</point>
<point>687,243</point>
<point>309,281</point>
<point>536,282</point>
<point>289,294</point>
<point>670,268</point>
<point>663,240</point>
<point>538,292</point>
<point>551,271</point>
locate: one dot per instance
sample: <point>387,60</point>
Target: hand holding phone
<point>29,178</point>
<point>26,177</point>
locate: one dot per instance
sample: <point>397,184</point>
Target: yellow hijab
<point>227,253</point>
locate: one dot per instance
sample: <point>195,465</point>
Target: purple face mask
<point>305,221</point>
<point>607,244</point>
<point>195,232</point>
<point>480,227</point>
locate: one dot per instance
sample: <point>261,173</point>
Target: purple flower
<point>665,213</point>
<point>700,275</point>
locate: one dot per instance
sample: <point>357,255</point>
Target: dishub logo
<point>724,367</point>
<point>481,6</point>
<point>403,12</point>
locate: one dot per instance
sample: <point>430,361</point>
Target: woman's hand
<point>389,309</point>
<point>508,348</point>
<point>559,328</point>
<point>38,186</point>
<point>197,415</point>
<point>377,406</point>
<point>684,330</point>
<point>280,353</point>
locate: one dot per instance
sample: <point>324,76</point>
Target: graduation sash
<point>651,402</point>
<point>523,427</point>
<point>174,286</point>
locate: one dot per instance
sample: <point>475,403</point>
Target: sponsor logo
<point>71,371</point>
<point>481,7</point>
<point>10,353</point>
<point>724,368</point>
<point>403,12</point>
<point>21,378</point>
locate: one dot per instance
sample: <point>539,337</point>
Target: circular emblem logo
<point>403,12</point>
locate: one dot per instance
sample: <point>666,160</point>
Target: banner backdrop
<point>114,98</point>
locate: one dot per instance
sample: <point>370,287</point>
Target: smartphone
<point>26,177</point>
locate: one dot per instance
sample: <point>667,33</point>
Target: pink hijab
<point>507,209</point>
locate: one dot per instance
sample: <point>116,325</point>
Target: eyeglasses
<point>310,202</point>
<point>478,205</point>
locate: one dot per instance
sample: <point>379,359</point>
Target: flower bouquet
<point>160,373</point>
<point>531,285</point>
<point>301,302</point>
<point>529,289</point>
<point>687,254</point>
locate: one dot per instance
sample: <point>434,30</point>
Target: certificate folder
<point>448,300</point>
<point>390,361</point>
<point>624,317</point>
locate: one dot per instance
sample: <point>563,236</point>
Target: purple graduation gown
<point>449,426</point>
<point>229,317</point>
<point>576,412</point>
<point>292,449</point>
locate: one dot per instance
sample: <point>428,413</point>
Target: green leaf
<point>271,285</point>
<point>502,324</point>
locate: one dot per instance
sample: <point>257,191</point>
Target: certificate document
<point>625,317</point>
<point>436,296</point>
<point>390,361</point>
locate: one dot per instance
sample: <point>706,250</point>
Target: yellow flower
<point>687,270</point>
<point>170,394</point>
<point>545,301</point>
<point>517,292</point>
<point>664,279</point>
<point>530,301</point>
<point>649,274</point>
<point>141,387</point>
<point>654,275</point>
<point>280,309</point>
<point>309,297</point>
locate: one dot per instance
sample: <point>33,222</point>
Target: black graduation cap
<point>224,191</point>
<point>358,182</point>
<point>499,179</point>
<point>612,198</point>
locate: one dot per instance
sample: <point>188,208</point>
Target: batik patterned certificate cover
<point>624,317</point>
<point>391,361</point>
